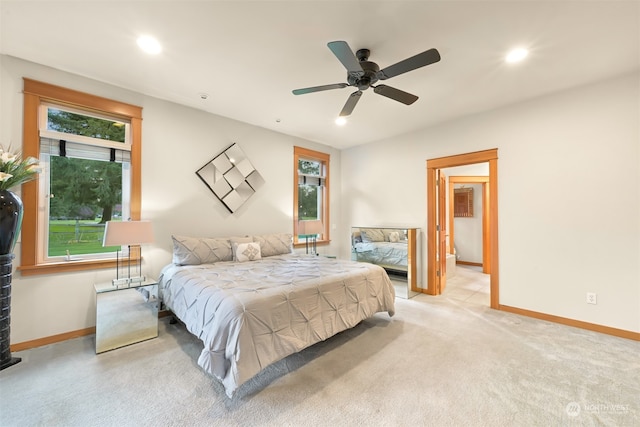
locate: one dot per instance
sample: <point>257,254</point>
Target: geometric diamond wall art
<point>231,177</point>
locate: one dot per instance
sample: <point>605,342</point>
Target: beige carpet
<point>438,362</point>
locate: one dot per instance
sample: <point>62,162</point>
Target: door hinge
<point>437,227</point>
<point>438,273</point>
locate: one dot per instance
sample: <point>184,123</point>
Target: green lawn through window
<point>79,237</point>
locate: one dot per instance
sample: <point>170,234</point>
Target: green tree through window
<point>84,189</point>
<point>308,194</point>
<point>77,124</point>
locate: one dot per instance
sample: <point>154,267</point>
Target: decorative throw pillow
<point>235,241</point>
<point>275,244</point>
<point>247,252</point>
<point>394,237</point>
<point>200,250</point>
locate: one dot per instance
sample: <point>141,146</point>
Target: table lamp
<point>310,228</point>
<point>130,234</point>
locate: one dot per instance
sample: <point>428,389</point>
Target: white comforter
<point>252,314</point>
<point>383,253</point>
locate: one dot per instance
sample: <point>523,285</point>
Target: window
<point>311,192</point>
<point>89,149</point>
<point>85,181</point>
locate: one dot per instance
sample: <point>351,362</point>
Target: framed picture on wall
<point>463,202</point>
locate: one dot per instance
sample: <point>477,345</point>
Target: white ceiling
<point>248,56</point>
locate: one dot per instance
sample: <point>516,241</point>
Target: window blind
<point>310,180</point>
<point>66,148</point>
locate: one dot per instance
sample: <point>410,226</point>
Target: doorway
<point>484,214</point>
<point>436,252</point>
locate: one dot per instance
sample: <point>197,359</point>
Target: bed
<point>252,301</point>
<point>385,247</point>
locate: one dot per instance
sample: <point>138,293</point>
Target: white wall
<point>468,230</point>
<point>569,196</point>
<point>176,142</point>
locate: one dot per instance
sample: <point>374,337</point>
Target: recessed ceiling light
<point>516,55</point>
<point>341,121</point>
<point>149,45</point>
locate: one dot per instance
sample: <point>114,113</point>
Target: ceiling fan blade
<point>319,88</point>
<point>343,52</point>
<point>395,94</point>
<point>351,103</point>
<point>420,60</point>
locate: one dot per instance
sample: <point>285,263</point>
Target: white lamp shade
<point>313,226</point>
<point>118,233</point>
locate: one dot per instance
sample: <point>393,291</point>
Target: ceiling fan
<point>362,74</point>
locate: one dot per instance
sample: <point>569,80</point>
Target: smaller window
<point>311,193</point>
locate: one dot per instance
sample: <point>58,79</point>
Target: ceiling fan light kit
<point>363,74</point>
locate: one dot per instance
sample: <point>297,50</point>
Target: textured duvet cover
<point>383,253</point>
<point>252,314</point>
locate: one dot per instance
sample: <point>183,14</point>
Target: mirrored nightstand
<point>125,314</point>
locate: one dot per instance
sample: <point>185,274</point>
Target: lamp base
<point>128,281</point>
<point>120,282</point>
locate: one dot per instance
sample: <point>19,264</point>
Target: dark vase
<point>10,223</point>
<point>10,220</point>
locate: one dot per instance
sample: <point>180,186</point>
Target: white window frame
<point>42,249</point>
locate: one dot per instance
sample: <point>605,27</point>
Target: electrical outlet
<point>592,298</point>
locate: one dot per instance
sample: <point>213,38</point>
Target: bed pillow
<point>394,237</point>
<point>387,234</point>
<point>371,235</point>
<point>200,250</point>
<point>247,252</point>
<point>274,244</point>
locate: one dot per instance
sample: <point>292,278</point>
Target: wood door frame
<point>490,156</point>
<point>486,226</point>
<point>441,232</point>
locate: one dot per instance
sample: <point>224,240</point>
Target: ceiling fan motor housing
<point>369,74</point>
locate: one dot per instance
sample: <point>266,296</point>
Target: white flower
<point>6,157</point>
<point>14,170</point>
<point>35,168</point>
